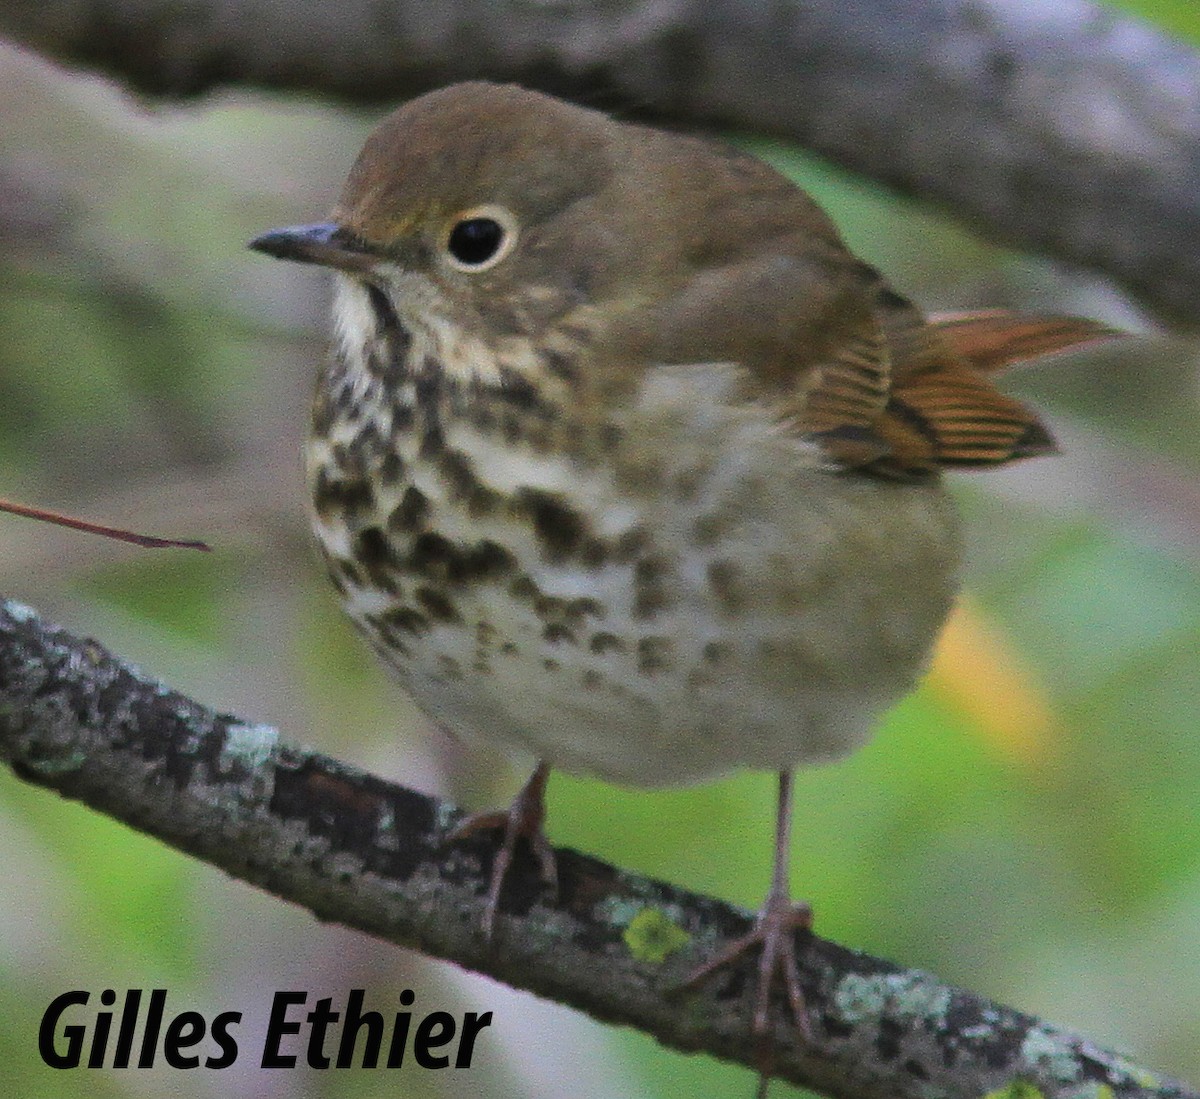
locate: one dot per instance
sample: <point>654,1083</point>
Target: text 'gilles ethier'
<point>70,1036</point>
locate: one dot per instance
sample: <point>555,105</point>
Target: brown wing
<point>993,339</point>
<point>847,398</point>
<point>940,408</point>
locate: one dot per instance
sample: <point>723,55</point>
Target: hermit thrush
<point>623,459</point>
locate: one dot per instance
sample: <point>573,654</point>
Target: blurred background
<point>1025,825</point>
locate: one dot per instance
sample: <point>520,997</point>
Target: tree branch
<point>357,850</point>
<point>1060,128</point>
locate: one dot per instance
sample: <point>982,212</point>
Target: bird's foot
<point>522,820</point>
<point>774,935</point>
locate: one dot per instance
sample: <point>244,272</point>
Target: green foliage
<point>1181,17</point>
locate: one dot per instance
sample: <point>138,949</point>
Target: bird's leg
<point>774,934</point>
<point>523,818</point>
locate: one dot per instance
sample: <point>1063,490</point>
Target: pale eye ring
<point>479,238</point>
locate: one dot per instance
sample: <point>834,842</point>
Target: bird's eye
<point>475,241</point>
<point>480,238</point>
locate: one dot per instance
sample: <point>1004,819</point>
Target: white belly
<point>743,608</point>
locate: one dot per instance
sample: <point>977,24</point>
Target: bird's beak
<point>326,244</point>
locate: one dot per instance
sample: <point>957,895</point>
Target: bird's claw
<point>522,820</point>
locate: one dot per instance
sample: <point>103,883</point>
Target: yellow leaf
<point>980,673</point>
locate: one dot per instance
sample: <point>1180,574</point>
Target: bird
<point>622,458</point>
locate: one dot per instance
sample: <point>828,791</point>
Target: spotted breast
<point>536,572</point>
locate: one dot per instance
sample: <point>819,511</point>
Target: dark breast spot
<point>391,467</point>
<point>403,416</point>
<point>708,529</point>
<point>583,607</point>
<point>557,633</point>
<point>653,655</point>
<point>430,380</point>
<point>348,571</point>
<point>372,551</point>
<point>404,619</point>
<point>436,557</point>
<point>485,560</point>
<point>369,446</point>
<point>432,390</point>
<point>724,579</point>
<point>322,412</point>
<point>688,484</point>
<point>650,587</point>
<point>594,553</point>
<point>333,495</point>
<point>390,645</point>
<point>411,513</point>
<point>464,486</point>
<point>714,652</point>
<point>560,366</point>
<point>578,333</point>
<point>630,545</point>
<point>433,439</point>
<point>522,587</point>
<point>386,364</point>
<point>520,393</point>
<point>349,459</point>
<point>437,605</point>
<point>539,438</point>
<point>430,552</point>
<point>605,642</point>
<point>511,428</point>
<point>482,418</point>
<point>559,528</point>
<point>370,548</point>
